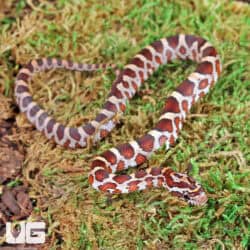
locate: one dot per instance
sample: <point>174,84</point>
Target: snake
<point>107,169</point>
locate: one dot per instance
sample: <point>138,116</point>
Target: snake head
<point>186,188</point>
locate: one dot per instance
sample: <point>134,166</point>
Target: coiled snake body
<point>103,174</point>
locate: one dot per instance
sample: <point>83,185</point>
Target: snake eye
<point>186,197</point>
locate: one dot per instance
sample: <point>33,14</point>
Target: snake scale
<point>104,174</point>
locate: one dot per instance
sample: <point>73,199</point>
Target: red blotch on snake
<point>155,171</point>
<point>140,159</point>
<point>173,41</point>
<point>132,186</point>
<point>140,174</point>
<point>107,186</point>
<point>203,84</point>
<point>73,132</point>
<point>101,175</point>
<point>164,125</point>
<point>205,68</point>
<point>126,150</point>
<point>110,157</point>
<point>146,142</point>
<point>171,105</point>
<point>121,178</point>
<point>60,132</point>
<point>186,88</point>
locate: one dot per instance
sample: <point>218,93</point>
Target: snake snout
<point>198,200</point>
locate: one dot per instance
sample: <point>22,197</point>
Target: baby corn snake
<point>103,175</point>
